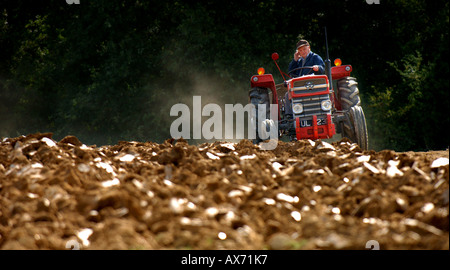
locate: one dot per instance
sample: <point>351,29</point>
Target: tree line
<point>106,71</point>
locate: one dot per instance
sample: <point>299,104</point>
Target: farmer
<point>303,57</point>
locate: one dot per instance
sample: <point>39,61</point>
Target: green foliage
<point>409,108</point>
<point>398,111</point>
<point>107,71</point>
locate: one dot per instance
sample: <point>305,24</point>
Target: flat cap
<point>302,43</point>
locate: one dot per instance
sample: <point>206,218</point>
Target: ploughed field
<point>144,195</point>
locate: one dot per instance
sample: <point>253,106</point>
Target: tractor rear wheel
<point>348,93</point>
<point>259,96</point>
<point>354,127</point>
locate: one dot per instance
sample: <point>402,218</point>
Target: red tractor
<point>322,105</point>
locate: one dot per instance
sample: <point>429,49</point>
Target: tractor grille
<point>311,106</point>
<point>313,85</point>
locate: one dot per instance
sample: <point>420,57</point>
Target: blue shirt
<point>312,59</point>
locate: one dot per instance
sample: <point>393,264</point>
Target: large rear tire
<point>355,128</point>
<point>348,93</point>
<point>259,96</point>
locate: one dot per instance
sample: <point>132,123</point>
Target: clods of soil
<point>143,195</point>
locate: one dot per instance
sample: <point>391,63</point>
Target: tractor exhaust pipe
<point>328,64</point>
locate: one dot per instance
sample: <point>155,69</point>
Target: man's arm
<point>317,60</point>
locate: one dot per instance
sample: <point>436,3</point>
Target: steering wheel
<point>295,69</point>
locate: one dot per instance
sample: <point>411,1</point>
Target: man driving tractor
<point>316,105</point>
<point>303,57</point>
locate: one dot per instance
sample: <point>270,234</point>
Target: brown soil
<point>302,195</point>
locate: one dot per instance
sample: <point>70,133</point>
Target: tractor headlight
<point>326,105</point>
<point>297,108</point>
